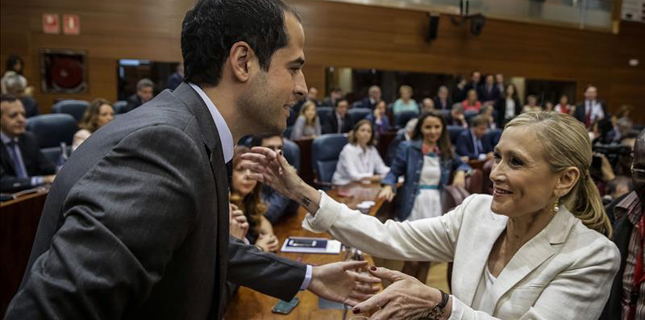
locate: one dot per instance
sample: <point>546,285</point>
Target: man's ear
<point>567,180</point>
<point>241,59</point>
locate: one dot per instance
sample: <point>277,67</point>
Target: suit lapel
<point>215,153</point>
<point>488,232</point>
<point>532,254</point>
<point>6,159</point>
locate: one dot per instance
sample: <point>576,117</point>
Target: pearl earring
<point>556,206</point>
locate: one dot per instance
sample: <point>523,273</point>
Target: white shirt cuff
<point>328,211</point>
<point>308,275</point>
<point>482,156</point>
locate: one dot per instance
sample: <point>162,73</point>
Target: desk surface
<point>249,304</point>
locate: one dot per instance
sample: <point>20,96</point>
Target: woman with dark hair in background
<point>428,164</point>
<point>379,118</point>
<point>99,113</point>
<point>508,106</point>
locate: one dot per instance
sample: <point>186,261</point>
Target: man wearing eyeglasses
<point>627,300</point>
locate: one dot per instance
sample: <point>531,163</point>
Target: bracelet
<point>436,312</point>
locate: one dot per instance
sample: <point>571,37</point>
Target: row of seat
<point>76,108</point>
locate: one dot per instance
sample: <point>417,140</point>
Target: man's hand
<point>268,242</point>
<point>49,179</point>
<point>340,282</point>
<point>405,298</point>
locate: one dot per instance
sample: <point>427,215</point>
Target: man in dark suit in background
<point>373,97</point>
<point>442,101</point>
<point>488,91</point>
<point>136,224</point>
<point>23,165</point>
<point>591,110</point>
<point>470,143</point>
<point>145,91</point>
<point>338,121</point>
<point>335,95</point>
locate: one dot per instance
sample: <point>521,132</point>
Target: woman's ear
<point>567,180</point>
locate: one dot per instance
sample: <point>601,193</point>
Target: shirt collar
<point>225,136</point>
<point>631,206</point>
<point>6,139</point>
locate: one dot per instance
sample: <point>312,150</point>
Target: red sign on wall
<point>51,24</point>
<point>71,24</point>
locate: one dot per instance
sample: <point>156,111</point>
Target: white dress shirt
<point>354,164</point>
<point>228,147</point>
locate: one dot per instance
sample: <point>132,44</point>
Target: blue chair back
<point>325,152</point>
<point>52,129</point>
<point>454,132</point>
<point>324,112</point>
<point>469,115</point>
<point>75,108</point>
<point>401,118</point>
<point>358,114</point>
<point>287,132</point>
<point>119,107</point>
<point>292,153</point>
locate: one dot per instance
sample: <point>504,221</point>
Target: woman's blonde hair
<point>304,108</point>
<point>92,113</point>
<point>565,143</point>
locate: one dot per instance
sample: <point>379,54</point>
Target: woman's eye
<point>516,161</point>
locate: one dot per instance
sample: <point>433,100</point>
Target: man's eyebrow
<point>299,61</point>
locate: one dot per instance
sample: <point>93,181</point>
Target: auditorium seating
<point>324,112</point>
<point>292,153</point>
<point>401,118</point>
<point>454,132</point>
<point>325,152</point>
<point>52,129</point>
<point>119,107</point>
<point>358,114</point>
<point>75,108</point>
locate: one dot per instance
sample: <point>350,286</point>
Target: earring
<point>556,206</point>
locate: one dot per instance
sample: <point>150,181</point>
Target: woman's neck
<point>520,230</point>
<point>430,144</point>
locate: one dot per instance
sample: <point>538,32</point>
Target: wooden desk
<point>249,304</point>
<point>18,224</point>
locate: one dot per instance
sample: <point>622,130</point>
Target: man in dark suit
<point>15,85</point>
<point>23,165</point>
<point>338,121</point>
<point>373,97</point>
<point>470,143</point>
<point>335,95</point>
<point>442,101</point>
<point>591,110</point>
<point>474,83</point>
<point>136,224</point>
<point>626,212</point>
<point>488,91</point>
<point>145,91</point>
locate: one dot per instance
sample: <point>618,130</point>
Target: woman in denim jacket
<point>428,163</point>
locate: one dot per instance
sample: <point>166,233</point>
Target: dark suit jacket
<point>136,225</point>
<point>133,102</point>
<point>438,104</point>
<point>366,103</point>
<point>483,95</point>
<point>580,111</point>
<point>466,146</point>
<point>622,232</point>
<point>34,160</point>
<point>330,124</point>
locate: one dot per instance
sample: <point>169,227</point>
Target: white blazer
<point>564,272</point>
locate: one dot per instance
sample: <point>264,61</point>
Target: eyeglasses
<point>638,173</point>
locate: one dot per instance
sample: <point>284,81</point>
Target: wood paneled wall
<point>341,35</point>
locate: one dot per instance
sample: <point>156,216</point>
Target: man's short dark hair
<point>338,101</point>
<point>212,27</point>
<point>478,120</point>
<point>256,141</point>
<point>7,98</point>
<point>145,83</point>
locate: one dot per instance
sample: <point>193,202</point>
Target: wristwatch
<point>437,311</point>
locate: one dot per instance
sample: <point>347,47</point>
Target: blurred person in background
<point>99,113</point>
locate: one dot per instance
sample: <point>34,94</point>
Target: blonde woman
<point>308,123</point>
<point>99,113</point>
<point>538,248</point>
<point>405,102</point>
